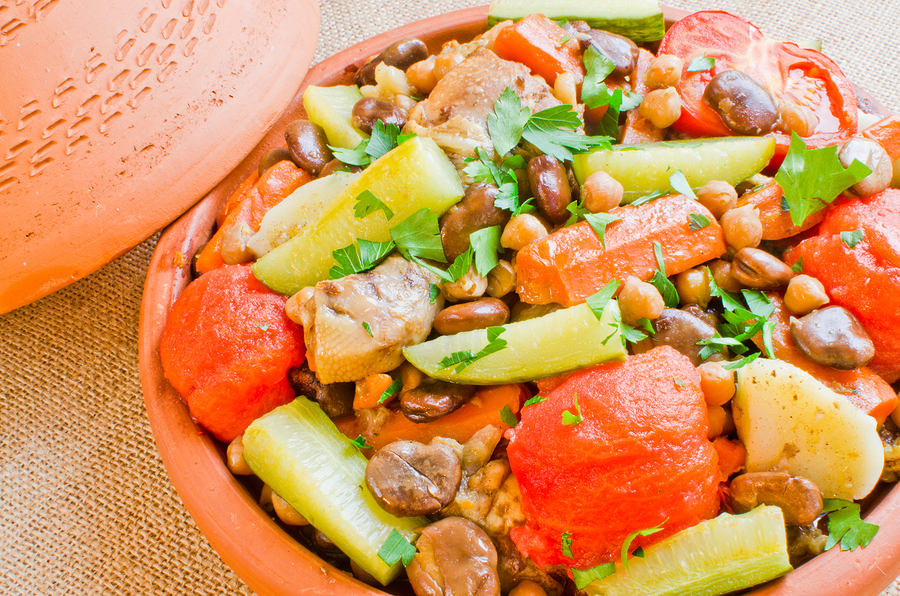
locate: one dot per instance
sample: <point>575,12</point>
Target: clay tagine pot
<point>261,553</point>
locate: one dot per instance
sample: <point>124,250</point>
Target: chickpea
<point>235,456</point>
<point>718,196</point>
<point>639,300</point>
<point>664,71</point>
<point>661,107</point>
<point>797,118</point>
<point>528,588</point>
<point>444,63</point>
<point>742,227</point>
<point>564,89</point>
<point>693,286</point>
<point>716,382</point>
<point>287,514</point>
<point>468,287</point>
<point>717,420</point>
<point>501,279</point>
<point>522,230</point>
<point>601,192</point>
<point>421,75</point>
<point>721,271</point>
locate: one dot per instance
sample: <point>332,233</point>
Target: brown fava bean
<point>467,316</point>
<point>334,165</point>
<point>409,478</point>
<point>401,54</point>
<point>335,399</point>
<point>745,106</point>
<point>758,269</point>
<point>271,158</point>
<point>800,499</point>
<point>833,337</point>
<point>474,212</point>
<point>370,110</point>
<point>682,330</point>
<point>550,185</point>
<point>454,556</point>
<point>432,399</point>
<point>308,146</point>
<point>621,50</point>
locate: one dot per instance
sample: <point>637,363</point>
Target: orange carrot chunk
<point>776,223</point>
<point>543,46</point>
<point>886,132</point>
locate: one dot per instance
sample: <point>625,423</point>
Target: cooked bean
<point>601,192</point>
<point>410,376</point>
<point>716,416</point>
<point>286,513</point>
<point>758,269</point>
<point>639,300</point>
<point>273,156</point>
<point>501,280</point>
<point>454,557</point>
<point>745,106</point>
<point>804,294</point>
<point>444,63</point>
<point>468,287</point>
<point>718,196</point>
<point>474,212</point>
<point>797,118</point>
<point>721,271</point>
<point>234,455</point>
<point>742,227</point>
<point>833,337</point>
<point>564,89</point>
<point>704,315</point>
<point>335,399</point>
<point>521,231</point>
<point>550,186</point>
<point>334,165</point>
<point>409,478</point>
<point>468,316</point>
<point>875,158</point>
<point>370,110</point>
<point>800,499</point>
<point>621,50</point>
<point>661,107</point>
<point>528,588</point>
<point>716,382</point>
<point>401,54</point>
<point>525,312</point>
<point>324,546</point>
<point>308,146</point>
<point>421,75</point>
<point>664,71</point>
<point>433,399</point>
<point>693,286</point>
<point>682,330</point>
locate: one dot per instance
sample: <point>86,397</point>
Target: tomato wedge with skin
<point>790,73</point>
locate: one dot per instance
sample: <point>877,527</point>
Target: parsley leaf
<point>851,239</point>
<point>383,139</point>
<point>454,272</point>
<point>680,184</point>
<point>661,282</point>
<point>584,578</point>
<point>570,419</point>
<point>507,121</point>
<point>679,382</point>
<point>353,157</point>
<point>701,63</point>
<point>597,67</point>
<point>698,221</point>
<point>368,329</point>
<point>598,223</point>
<point>813,178</point>
<point>507,417</point>
<point>597,302</point>
<point>537,399</point>
<point>396,548</point>
<point>485,243</point>
<point>419,235</point>
<point>359,258</point>
<point>367,203</point>
<point>392,390</point>
<point>798,266</point>
<point>403,138</point>
<point>264,327</point>
<point>434,291</point>
<point>630,538</point>
<point>484,169</point>
<point>463,359</point>
<point>567,545</point>
<point>742,362</point>
<point>845,525</point>
<point>552,131</point>
<point>360,443</point>
<point>647,198</point>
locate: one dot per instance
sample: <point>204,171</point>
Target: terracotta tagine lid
<point>115,117</point>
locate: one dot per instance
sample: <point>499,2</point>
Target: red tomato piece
<point>639,458</point>
<point>790,73</point>
<point>226,348</point>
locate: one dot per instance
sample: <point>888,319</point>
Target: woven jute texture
<point>86,506</point>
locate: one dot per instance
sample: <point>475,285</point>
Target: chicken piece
<point>393,299</point>
<point>455,114</point>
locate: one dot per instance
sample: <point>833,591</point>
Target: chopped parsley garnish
<point>647,198</point>
<point>598,223</point>
<point>507,417</point>
<point>798,266</point>
<point>455,271</point>
<point>701,63</point>
<point>628,333</point>
<point>742,362</point>
<point>419,235</point>
<point>264,327</point>
<point>566,545</point>
<point>368,329</point>
<point>384,138</point>
<point>367,203</point>
<point>485,245</point>
<point>745,315</point>
<point>813,178</point>
<point>403,138</point>
<point>661,282</point>
<point>507,122</point>
<point>434,291</point>
<point>463,359</point>
<point>698,221</point>
<point>360,443</point>
<point>597,302</point>
<point>595,93</point>
<point>584,578</point>
<point>483,169</point>
<point>396,548</point>
<point>845,525</point>
<point>570,419</point>
<point>537,399</point>
<point>679,382</point>
<point>630,538</point>
<point>851,239</point>
<point>392,390</point>
<point>647,325</point>
<point>680,184</point>
<point>359,257</point>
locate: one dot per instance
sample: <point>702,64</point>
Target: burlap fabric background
<point>86,506</point>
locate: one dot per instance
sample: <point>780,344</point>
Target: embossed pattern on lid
<point>115,117</point>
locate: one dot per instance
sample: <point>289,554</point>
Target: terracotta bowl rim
<point>270,561</point>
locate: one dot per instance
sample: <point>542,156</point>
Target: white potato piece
<point>785,417</point>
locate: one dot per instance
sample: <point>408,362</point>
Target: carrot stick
<point>571,264</point>
<point>886,132</point>
<point>543,46</point>
<point>776,223</point>
<point>637,128</point>
<point>370,390</point>
<point>236,197</point>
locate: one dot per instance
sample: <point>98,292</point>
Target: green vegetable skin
<point>332,109</point>
<point>559,342</point>
<point>641,20</point>
<point>306,460</point>
<point>416,174</point>
<point>647,169</point>
<point>718,556</point>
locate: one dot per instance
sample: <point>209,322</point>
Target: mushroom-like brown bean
<point>873,156</point>
<point>335,399</point>
<point>409,478</point>
<point>454,557</point>
<point>433,399</point>
<point>474,212</point>
<point>758,269</point>
<point>467,316</point>
<point>682,330</point>
<point>621,50</point>
<point>370,110</point>
<point>550,185</point>
<point>800,499</point>
<point>308,146</point>
<point>745,106</point>
<point>833,337</point>
<point>334,165</point>
<point>273,156</point>
<point>401,54</point>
